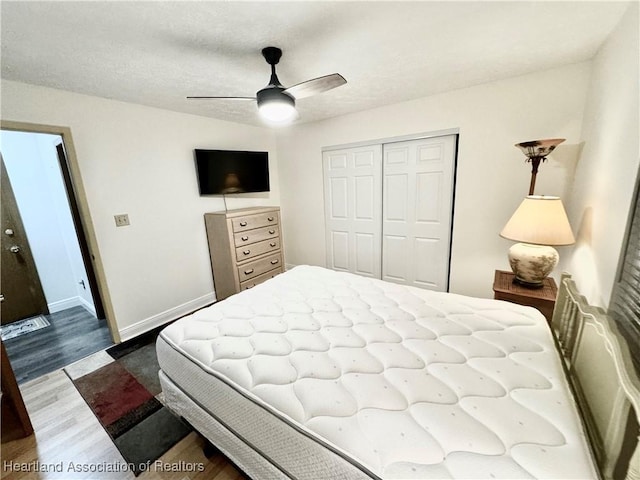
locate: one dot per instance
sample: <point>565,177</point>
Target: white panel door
<point>417,211</point>
<point>353,209</point>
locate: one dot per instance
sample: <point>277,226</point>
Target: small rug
<point>122,388</point>
<point>15,329</point>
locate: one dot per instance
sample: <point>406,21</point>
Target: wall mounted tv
<point>230,171</point>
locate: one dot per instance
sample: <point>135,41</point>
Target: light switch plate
<point>122,220</point>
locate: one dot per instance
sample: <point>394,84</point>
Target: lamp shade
<point>539,148</point>
<point>539,220</point>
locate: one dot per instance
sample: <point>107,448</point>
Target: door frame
<point>81,215</point>
<point>401,138</point>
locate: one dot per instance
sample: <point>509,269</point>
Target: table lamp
<point>538,223</point>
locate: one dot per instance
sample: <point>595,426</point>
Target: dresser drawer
<point>257,235</point>
<point>253,269</point>
<point>258,220</point>
<point>250,251</point>
<point>260,278</point>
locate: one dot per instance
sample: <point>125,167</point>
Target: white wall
<point>492,177</point>
<point>36,180</point>
<point>139,160</point>
<point>608,167</point>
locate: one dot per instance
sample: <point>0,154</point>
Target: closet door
<point>417,211</point>
<point>353,209</point>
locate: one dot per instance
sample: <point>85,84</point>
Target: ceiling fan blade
<point>315,86</point>
<point>226,98</point>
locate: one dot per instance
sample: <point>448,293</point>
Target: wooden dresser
<point>245,247</point>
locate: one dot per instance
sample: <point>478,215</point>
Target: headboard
<point>604,380</point>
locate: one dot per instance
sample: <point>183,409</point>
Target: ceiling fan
<point>277,103</point>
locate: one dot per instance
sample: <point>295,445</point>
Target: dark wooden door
<point>19,282</point>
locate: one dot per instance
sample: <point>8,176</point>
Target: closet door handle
<point>243,224</point>
<point>271,219</point>
<point>246,252</point>
<point>274,262</point>
<point>248,272</point>
<point>244,239</point>
<point>271,232</point>
<point>272,244</point>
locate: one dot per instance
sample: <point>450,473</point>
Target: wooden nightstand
<point>543,298</point>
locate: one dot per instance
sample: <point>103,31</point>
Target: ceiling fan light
<point>275,106</point>
<point>277,112</point>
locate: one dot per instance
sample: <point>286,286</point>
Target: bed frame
<point>604,380</point>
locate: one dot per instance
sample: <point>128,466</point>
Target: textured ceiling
<point>157,53</point>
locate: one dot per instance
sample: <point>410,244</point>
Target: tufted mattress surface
<point>405,382</point>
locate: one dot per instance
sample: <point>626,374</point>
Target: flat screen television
<point>222,172</point>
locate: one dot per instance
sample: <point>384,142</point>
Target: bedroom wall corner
<point>138,160</point>
<point>599,204</point>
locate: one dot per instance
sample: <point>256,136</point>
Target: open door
<point>19,282</point>
<point>83,243</point>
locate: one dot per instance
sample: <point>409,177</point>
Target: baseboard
<point>60,305</point>
<point>89,307</point>
<point>71,302</point>
<point>167,316</point>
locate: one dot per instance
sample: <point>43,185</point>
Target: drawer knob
<point>244,239</point>
<point>271,219</point>
<point>246,252</point>
<point>273,262</point>
<point>271,232</point>
<point>248,272</point>
<point>243,224</point>
<point>272,244</point>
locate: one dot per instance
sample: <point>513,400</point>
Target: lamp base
<point>531,264</point>
<point>528,284</point>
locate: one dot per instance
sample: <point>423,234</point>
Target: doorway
<point>51,279</point>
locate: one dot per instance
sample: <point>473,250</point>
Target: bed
<point>317,374</point>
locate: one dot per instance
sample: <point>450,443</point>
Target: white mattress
<point>403,382</point>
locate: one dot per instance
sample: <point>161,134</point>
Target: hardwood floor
<point>69,437</point>
<point>73,334</point>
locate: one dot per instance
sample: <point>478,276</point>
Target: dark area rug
<point>122,391</point>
